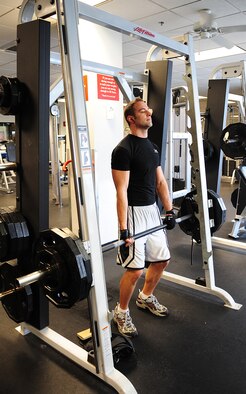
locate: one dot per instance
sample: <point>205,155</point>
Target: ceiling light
<point>217,53</point>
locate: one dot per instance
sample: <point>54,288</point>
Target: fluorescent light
<point>217,53</point>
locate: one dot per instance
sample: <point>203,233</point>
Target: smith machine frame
<point>68,13</point>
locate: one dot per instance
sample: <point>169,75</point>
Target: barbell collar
<point>24,281</point>
<point>33,277</point>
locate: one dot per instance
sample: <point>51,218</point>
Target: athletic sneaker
<point>124,323</point>
<point>153,305</point>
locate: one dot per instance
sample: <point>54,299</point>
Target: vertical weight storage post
<point>32,144</point>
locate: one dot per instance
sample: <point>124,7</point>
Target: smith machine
<point>41,264</point>
<point>203,200</point>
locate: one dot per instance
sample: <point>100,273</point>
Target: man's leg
<point>121,313</point>
<point>146,299</point>
<point>127,286</point>
<point>152,277</point>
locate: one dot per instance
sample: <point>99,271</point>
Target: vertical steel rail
<point>55,163</point>
<point>199,178</point>
<point>84,189</point>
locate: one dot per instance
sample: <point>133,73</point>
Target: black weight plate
<point>21,222</point>
<point>19,239</point>
<point>13,244</point>
<point>19,304</point>
<point>190,226</point>
<point>234,197</point>
<point>18,230</point>
<point>4,241</point>
<point>233,141</point>
<point>75,285</point>
<point>217,212</point>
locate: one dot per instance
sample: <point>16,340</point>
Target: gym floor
<point>199,348</point>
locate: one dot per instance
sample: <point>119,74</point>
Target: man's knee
<point>134,275</point>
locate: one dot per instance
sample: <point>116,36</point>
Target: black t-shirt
<point>141,157</point>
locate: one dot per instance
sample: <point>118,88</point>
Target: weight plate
<point>217,214</point>
<point>71,269</point>
<point>233,141</point>
<point>18,238</point>
<point>4,241</point>
<point>19,304</point>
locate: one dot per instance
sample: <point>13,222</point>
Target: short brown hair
<point>129,109</point>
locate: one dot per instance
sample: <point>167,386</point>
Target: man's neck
<point>141,133</point>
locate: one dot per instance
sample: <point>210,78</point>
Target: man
<point>138,179</point>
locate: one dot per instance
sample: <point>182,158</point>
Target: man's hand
<point>126,236</point>
<point>169,220</point>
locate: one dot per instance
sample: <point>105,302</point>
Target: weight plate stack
<point>14,235</point>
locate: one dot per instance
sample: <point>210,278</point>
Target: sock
<point>143,296</point>
<point>122,310</point>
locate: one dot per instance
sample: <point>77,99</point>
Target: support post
<point>215,122</point>
<point>159,98</point>
<point>32,144</point>
<point>67,23</point>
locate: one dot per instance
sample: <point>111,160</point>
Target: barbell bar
<point>117,243</point>
<point>25,280</point>
<point>9,292</point>
<point>33,277</point>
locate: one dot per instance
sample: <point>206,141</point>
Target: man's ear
<point>131,119</point>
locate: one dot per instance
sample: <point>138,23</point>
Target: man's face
<point>142,115</point>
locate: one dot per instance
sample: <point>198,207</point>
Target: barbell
<point>54,248</point>
<point>64,272</point>
<point>63,264</point>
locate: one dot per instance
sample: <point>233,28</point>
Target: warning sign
<point>107,88</point>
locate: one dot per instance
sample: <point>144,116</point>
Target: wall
<point>105,119</point>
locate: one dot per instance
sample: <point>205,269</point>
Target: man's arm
<point>162,189</point>
<point>121,181</point>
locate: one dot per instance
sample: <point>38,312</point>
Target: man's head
<point>138,113</point>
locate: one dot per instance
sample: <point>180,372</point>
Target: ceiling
<point>168,17</point>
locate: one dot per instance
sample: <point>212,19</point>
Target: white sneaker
<point>124,323</point>
<point>153,305</point>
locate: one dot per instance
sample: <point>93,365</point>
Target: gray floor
<point>199,348</point>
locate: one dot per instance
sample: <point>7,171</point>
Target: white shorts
<point>152,248</point>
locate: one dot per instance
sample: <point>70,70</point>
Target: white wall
<point>105,118</point>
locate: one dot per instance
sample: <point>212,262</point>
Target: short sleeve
<point>120,159</point>
<point>157,148</point>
